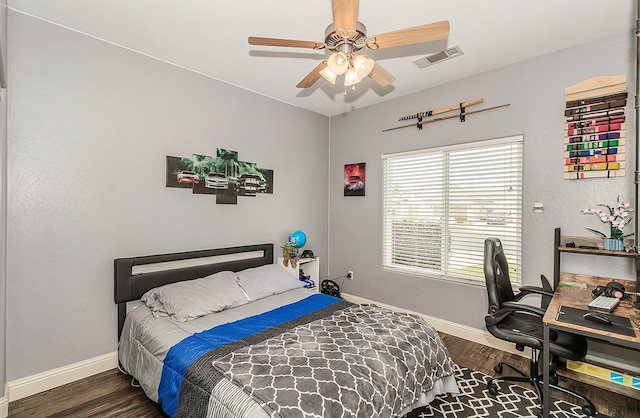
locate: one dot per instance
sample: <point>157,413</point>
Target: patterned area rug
<point>475,401</point>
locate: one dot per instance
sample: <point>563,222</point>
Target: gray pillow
<point>267,280</point>
<point>191,299</point>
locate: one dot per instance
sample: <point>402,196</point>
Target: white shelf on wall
<point>310,267</point>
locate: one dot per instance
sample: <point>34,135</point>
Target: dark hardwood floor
<point>110,394</point>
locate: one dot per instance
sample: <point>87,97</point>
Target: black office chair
<point>510,320</point>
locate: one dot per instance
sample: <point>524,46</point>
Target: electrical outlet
<point>350,274</point>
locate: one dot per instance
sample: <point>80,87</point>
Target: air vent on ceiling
<point>450,52</point>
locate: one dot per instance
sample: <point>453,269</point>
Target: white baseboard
<point>40,382</point>
<point>457,330</point>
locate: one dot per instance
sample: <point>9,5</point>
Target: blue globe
<point>298,238</point>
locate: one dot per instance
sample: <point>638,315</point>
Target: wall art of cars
<point>354,179</point>
<point>222,175</point>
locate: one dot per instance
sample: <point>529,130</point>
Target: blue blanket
<point>187,374</point>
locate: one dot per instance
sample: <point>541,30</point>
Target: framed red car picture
<point>354,179</point>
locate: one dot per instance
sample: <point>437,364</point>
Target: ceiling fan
<point>345,37</point>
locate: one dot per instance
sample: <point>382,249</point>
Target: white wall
<point>535,90</point>
<point>89,128</point>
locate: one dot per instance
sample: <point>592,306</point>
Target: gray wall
<point>3,191</point>
<point>89,128</point>
<point>535,89</point>
<point>90,125</point>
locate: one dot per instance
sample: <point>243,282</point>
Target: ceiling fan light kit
<point>345,37</point>
<point>355,68</point>
<point>351,78</point>
<point>338,63</point>
<point>329,75</point>
<point>363,65</point>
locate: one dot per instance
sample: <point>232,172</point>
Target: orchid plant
<point>616,216</point>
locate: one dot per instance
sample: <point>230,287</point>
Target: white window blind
<point>440,204</point>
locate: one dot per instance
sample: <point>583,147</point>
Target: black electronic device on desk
<point>596,317</point>
<point>612,290</point>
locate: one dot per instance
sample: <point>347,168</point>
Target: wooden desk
<point>579,298</point>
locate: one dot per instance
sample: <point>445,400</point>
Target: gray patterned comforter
<point>289,355</point>
<point>361,361</point>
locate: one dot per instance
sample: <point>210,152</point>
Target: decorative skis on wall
<point>594,129</point>
<point>426,117</point>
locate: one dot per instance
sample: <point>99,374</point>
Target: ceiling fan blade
<point>345,16</point>
<point>381,76</point>
<point>312,77</point>
<point>423,33</point>
<point>254,40</point>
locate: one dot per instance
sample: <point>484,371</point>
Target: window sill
<point>435,276</point>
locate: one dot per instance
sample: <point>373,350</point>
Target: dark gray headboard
<point>134,276</point>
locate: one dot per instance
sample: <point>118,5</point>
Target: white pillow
<point>267,280</point>
<point>191,299</point>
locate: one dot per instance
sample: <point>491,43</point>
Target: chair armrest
<point>493,319</point>
<point>532,290</point>
<point>509,308</point>
<point>521,307</point>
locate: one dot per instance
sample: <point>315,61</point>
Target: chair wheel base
<point>493,389</point>
<point>588,410</point>
<point>498,368</point>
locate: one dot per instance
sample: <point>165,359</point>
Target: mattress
<point>360,360</point>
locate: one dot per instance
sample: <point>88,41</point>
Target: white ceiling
<point>210,37</point>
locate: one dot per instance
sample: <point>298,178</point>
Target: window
<point>440,204</point>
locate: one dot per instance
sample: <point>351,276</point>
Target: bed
<point>224,333</point>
